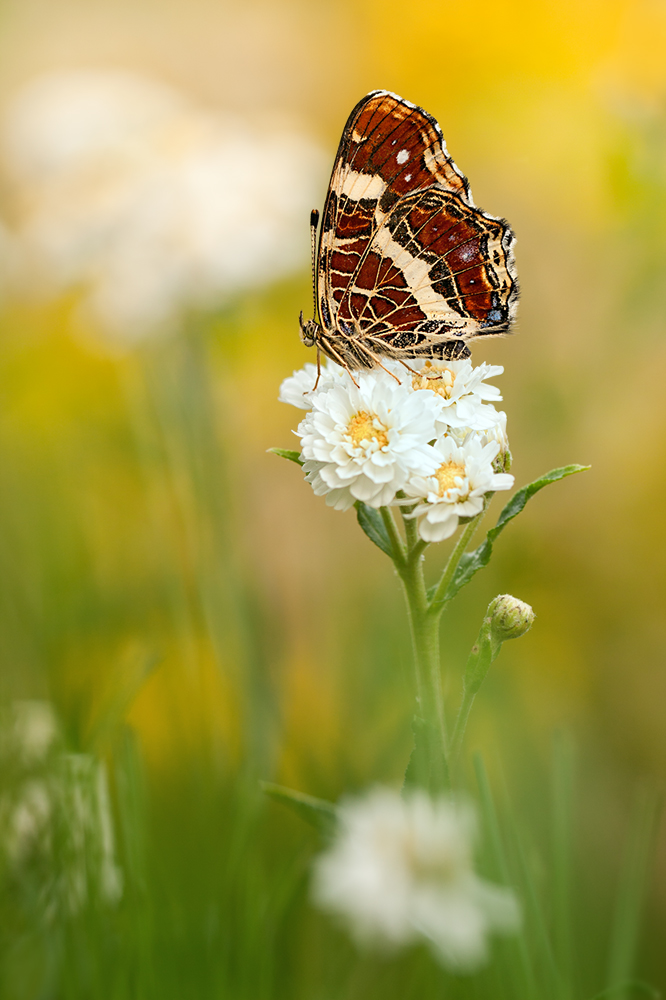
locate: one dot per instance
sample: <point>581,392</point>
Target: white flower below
<point>457,486</point>
<point>461,390</point>
<point>400,870</point>
<point>365,441</point>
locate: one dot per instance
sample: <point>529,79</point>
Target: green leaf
<point>371,522</point>
<point>472,562</point>
<point>317,812</point>
<point>293,456</point>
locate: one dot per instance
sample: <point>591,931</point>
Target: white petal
<point>364,489</point>
<point>438,532</point>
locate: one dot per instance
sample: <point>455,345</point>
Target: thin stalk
<point>460,726</point>
<point>438,600</point>
<point>482,654</point>
<point>411,528</point>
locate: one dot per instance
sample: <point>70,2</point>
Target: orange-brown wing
<point>405,256</point>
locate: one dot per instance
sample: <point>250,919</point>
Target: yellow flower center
<point>446,476</point>
<point>365,426</point>
<point>437,378</point>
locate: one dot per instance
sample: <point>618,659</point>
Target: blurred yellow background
<point>160,566</point>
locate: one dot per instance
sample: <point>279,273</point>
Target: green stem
<point>425,642</point>
<point>411,528</point>
<point>418,550</point>
<point>439,597</point>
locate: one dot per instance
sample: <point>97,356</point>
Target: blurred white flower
<point>400,870</point>
<point>364,442</point>
<point>56,828</point>
<point>26,821</point>
<point>456,489</point>
<point>150,204</point>
<point>86,849</point>
<point>461,390</point>
<point>28,732</point>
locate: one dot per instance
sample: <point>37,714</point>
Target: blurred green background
<point>200,619</point>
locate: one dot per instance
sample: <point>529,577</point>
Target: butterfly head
<point>310,331</point>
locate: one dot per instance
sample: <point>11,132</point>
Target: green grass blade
<point>536,917</point>
<point>522,969</point>
<point>562,853</point>
<point>631,893</point>
<point>317,812</point>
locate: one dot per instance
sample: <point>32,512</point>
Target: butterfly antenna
<point>314,223</point>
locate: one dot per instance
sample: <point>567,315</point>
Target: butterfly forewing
<point>406,260</point>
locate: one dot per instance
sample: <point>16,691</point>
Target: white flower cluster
<point>152,205</point>
<point>400,870</point>
<point>431,434</point>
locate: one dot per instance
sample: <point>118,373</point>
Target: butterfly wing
<point>405,257</point>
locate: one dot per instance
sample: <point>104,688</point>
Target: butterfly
<point>407,266</point>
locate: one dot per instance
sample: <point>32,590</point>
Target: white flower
<point>299,387</point>
<point>400,870</point>
<point>27,821</point>
<point>497,432</point>
<point>56,826</point>
<point>152,205</point>
<point>457,487</point>
<point>461,390</point>
<point>28,731</point>
<point>364,442</point>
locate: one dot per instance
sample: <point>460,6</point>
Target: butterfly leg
<point>378,362</point>
<point>412,370</point>
<point>332,353</point>
<point>318,368</point>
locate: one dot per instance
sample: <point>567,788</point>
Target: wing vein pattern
<point>406,260</point>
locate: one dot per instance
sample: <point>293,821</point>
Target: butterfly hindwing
<point>405,258</point>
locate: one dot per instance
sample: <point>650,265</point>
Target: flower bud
<point>509,618</point>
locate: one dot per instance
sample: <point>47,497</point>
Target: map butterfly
<point>407,265</point>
